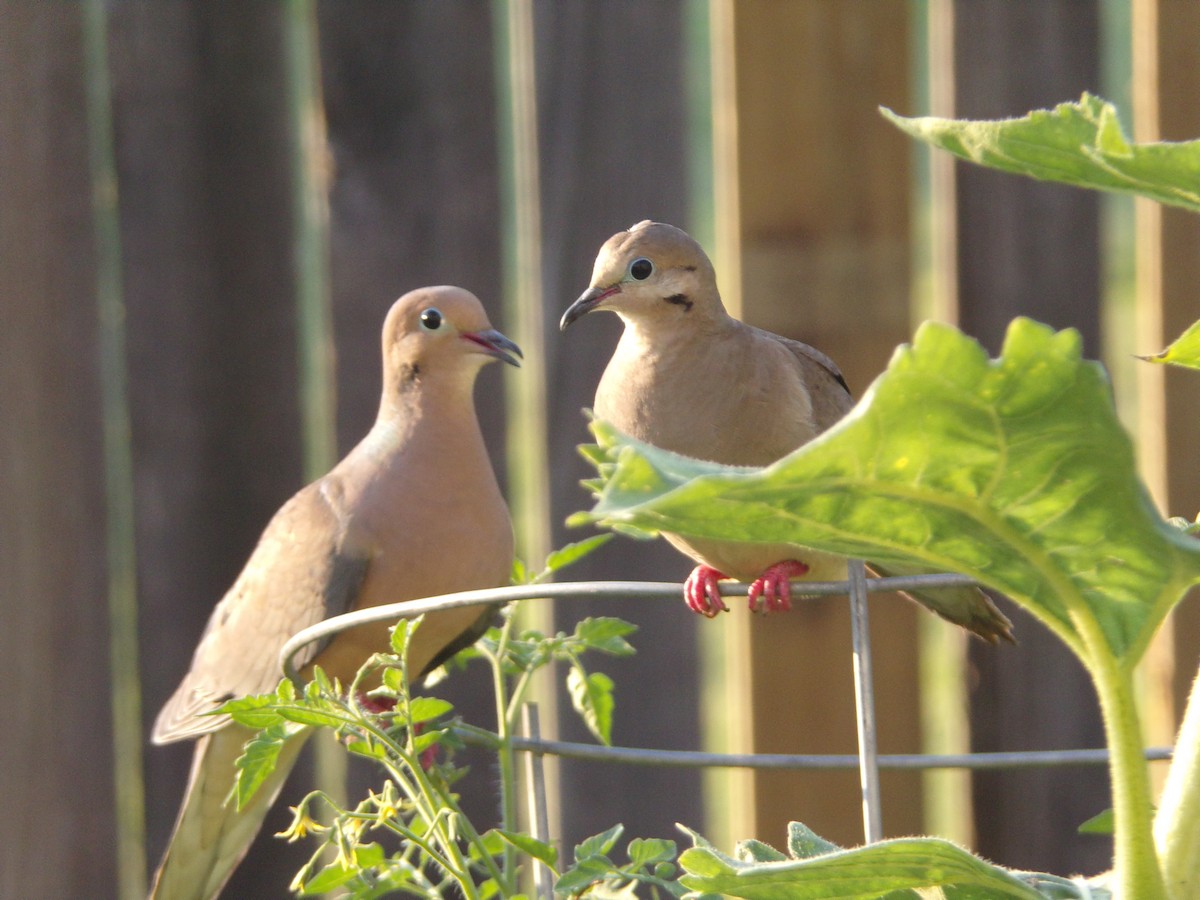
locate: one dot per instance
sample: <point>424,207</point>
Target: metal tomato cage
<point>867,760</point>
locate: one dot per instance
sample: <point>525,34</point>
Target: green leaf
<point>598,844</point>
<point>647,852</point>
<point>531,846</point>
<point>258,759</point>
<point>592,697</point>
<point>1101,823</point>
<point>606,634</point>
<point>426,709</point>
<point>757,851</point>
<point>402,634</point>
<point>803,842</point>
<point>1185,351</point>
<point>1075,143</point>
<point>583,874</point>
<point>572,553</point>
<point>865,873</point>
<point>254,712</point>
<point>1014,471</point>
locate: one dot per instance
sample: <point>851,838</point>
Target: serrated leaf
<point>1184,351</point>
<point>259,758</point>
<point>803,842</point>
<point>1014,471</point>
<point>401,634</point>
<point>426,709</point>
<point>1081,144</point>
<point>583,874</point>
<point>598,844</point>
<point>646,852</point>
<point>592,697</point>
<point>530,846</point>
<point>572,553</point>
<point>256,712</point>
<point>757,851</point>
<point>314,716</point>
<point>864,873</point>
<point>606,634</point>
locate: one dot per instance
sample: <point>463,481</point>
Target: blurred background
<point>207,208</point>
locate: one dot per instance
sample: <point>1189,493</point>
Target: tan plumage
<point>688,377</point>
<point>412,511</point>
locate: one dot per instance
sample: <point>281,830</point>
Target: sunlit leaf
<point>1076,143</point>
<point>599,844</point>
<point>530,846</point>
<point>592,697</point>
<point>572,553</point>
<point>865,873</point>
<point>1184,351</point>
<point>259,758</point>
<point>1014,471</point>
<point>606,634</point>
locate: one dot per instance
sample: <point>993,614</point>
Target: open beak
<point>494,344</point>
<point>588,301</point>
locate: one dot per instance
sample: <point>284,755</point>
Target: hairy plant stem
<point>504,752</point>
<point>1136,871</point>
<point>1177,824</point>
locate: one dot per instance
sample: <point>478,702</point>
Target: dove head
<point>440,335</point>
<point>652,273</point>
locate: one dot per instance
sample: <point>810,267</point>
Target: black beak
<point>494,344</point>
<point>588,301</point>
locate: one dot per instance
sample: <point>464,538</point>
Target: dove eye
<point>641,268</point>
<point>431,319</point>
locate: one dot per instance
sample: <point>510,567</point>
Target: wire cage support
<point>867,760</point>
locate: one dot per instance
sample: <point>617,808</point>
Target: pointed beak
<point>494,344</point>
<point>587,301</point>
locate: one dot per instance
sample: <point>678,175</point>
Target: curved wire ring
<point>410,609</point>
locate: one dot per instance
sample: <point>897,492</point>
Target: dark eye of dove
<point>641,269</point>
<point>431,319</point>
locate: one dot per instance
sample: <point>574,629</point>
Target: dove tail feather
<point>210,837</point>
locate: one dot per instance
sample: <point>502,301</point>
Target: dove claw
<point>702,591</point>
<point>773,589</point>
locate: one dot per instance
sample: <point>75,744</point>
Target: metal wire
<point>866,760</point>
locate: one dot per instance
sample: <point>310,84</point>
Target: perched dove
<point>412,511</point>
<point>688,377</point>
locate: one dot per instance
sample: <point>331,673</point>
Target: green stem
<point>1136,871</point>
<point>504,752</point>
<point>1177,825</point>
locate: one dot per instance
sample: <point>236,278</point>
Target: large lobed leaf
<point>1014,471</point>
<point>894,868</point>
<point>1075,143</point>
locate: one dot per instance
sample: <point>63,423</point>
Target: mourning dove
<point>688,377</point>
<point>412,511</point>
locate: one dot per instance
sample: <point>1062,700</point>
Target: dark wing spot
<point>680,300</point>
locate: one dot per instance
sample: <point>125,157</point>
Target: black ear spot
<point>680,300</point>
<point>641,269</point>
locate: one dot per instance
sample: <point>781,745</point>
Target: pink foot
<point>702,593</point>
<point>772,586</point>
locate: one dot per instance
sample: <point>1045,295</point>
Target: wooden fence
<point>155,358</point>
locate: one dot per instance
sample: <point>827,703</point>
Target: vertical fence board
<point>202,141</point>
<point>56,837</point>
<point>1029,249</point>
<point>411,119</point>
<point>613,139</point>
<point>1166,82</point>
<point>823,215</point>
